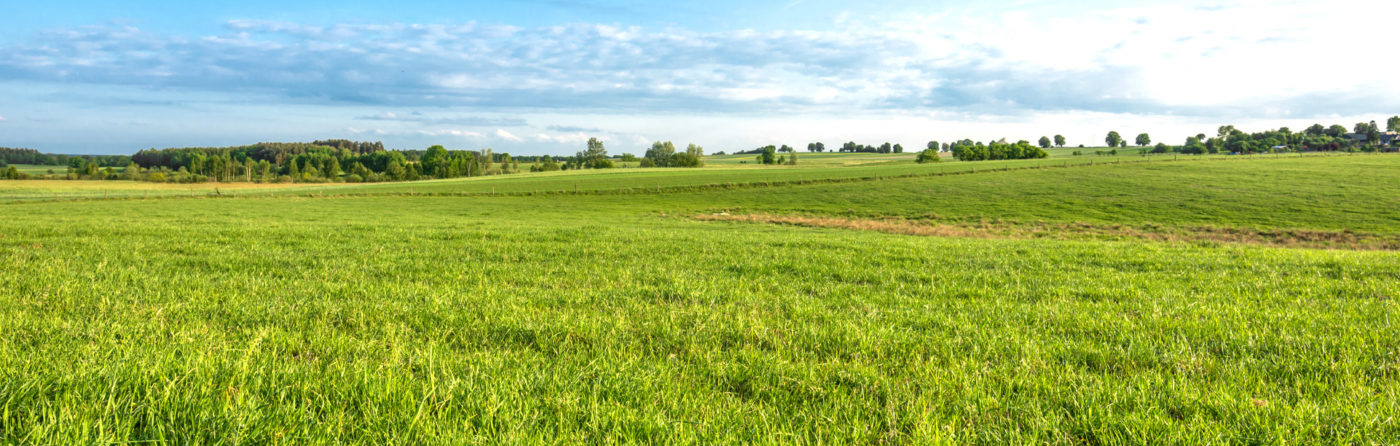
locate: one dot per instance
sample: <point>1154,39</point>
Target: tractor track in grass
<point>1287,238</point>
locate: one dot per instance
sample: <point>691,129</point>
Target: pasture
<point>1059,303</point>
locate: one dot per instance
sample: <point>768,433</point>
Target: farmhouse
<point>1386,138</point>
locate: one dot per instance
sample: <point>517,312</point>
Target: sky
<point>542,76</point>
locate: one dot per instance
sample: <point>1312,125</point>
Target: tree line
<point>334,160</point>
<point>341,160</point>
<point>10,156</point>
<point>1362,137</point>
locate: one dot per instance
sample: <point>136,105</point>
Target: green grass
<point>837,167</point>
<point>616,318</point>
<point>36,169</point>
<point>1337,193</point>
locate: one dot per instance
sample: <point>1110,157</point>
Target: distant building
<point>1386,137</point>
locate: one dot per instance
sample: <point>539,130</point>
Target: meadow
<point>722,172</point>
<point>728,304</point>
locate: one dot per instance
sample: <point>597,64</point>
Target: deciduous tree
<point>1113,139</point>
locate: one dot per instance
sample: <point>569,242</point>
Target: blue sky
<point>542,76</point>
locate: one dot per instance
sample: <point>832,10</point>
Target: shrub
<point>353,178</point>
<point>684,159</point>
<point>928,156</point>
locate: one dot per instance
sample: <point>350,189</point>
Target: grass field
<point>644,313</point>
<point>721,173</point>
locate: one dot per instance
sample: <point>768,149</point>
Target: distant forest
<point>341,160</point>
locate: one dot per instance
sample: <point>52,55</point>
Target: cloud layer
<point>1167,59</point>
<point>1222,62</point>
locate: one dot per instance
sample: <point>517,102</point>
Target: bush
<point>928,156</point>
<point>684,159</point>
<point>284,179</point>
<point>353,178</point>
<point>156,177</point>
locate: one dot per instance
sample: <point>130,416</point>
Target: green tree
<point>1392,124</point>
<point>547,164</point>
<point>661,153</point>
<point>1143,139</point>
<point>1044,142</point>
<point>1059,140</point>
<point>689,158</point>
<point>395,171</point>
<point>932,145</point>
<point>595,156</point>
<point>292,170</point>
<point>695,150</point>
<point>331,169</point>
<point>1113,139</point>
<point>434,161</point>
<point>480,165</point>
<point>768,155</point>
<point>131,172</point>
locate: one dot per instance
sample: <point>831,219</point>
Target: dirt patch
<point>1293,238</point>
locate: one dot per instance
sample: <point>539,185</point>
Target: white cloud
<point>461,133</point>
<point>2,119</point>
<point>568,138</point>
<point>501,133</point>
<point>1161,58</point>
<point>1260,56</point>
<point>1019,70</point>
